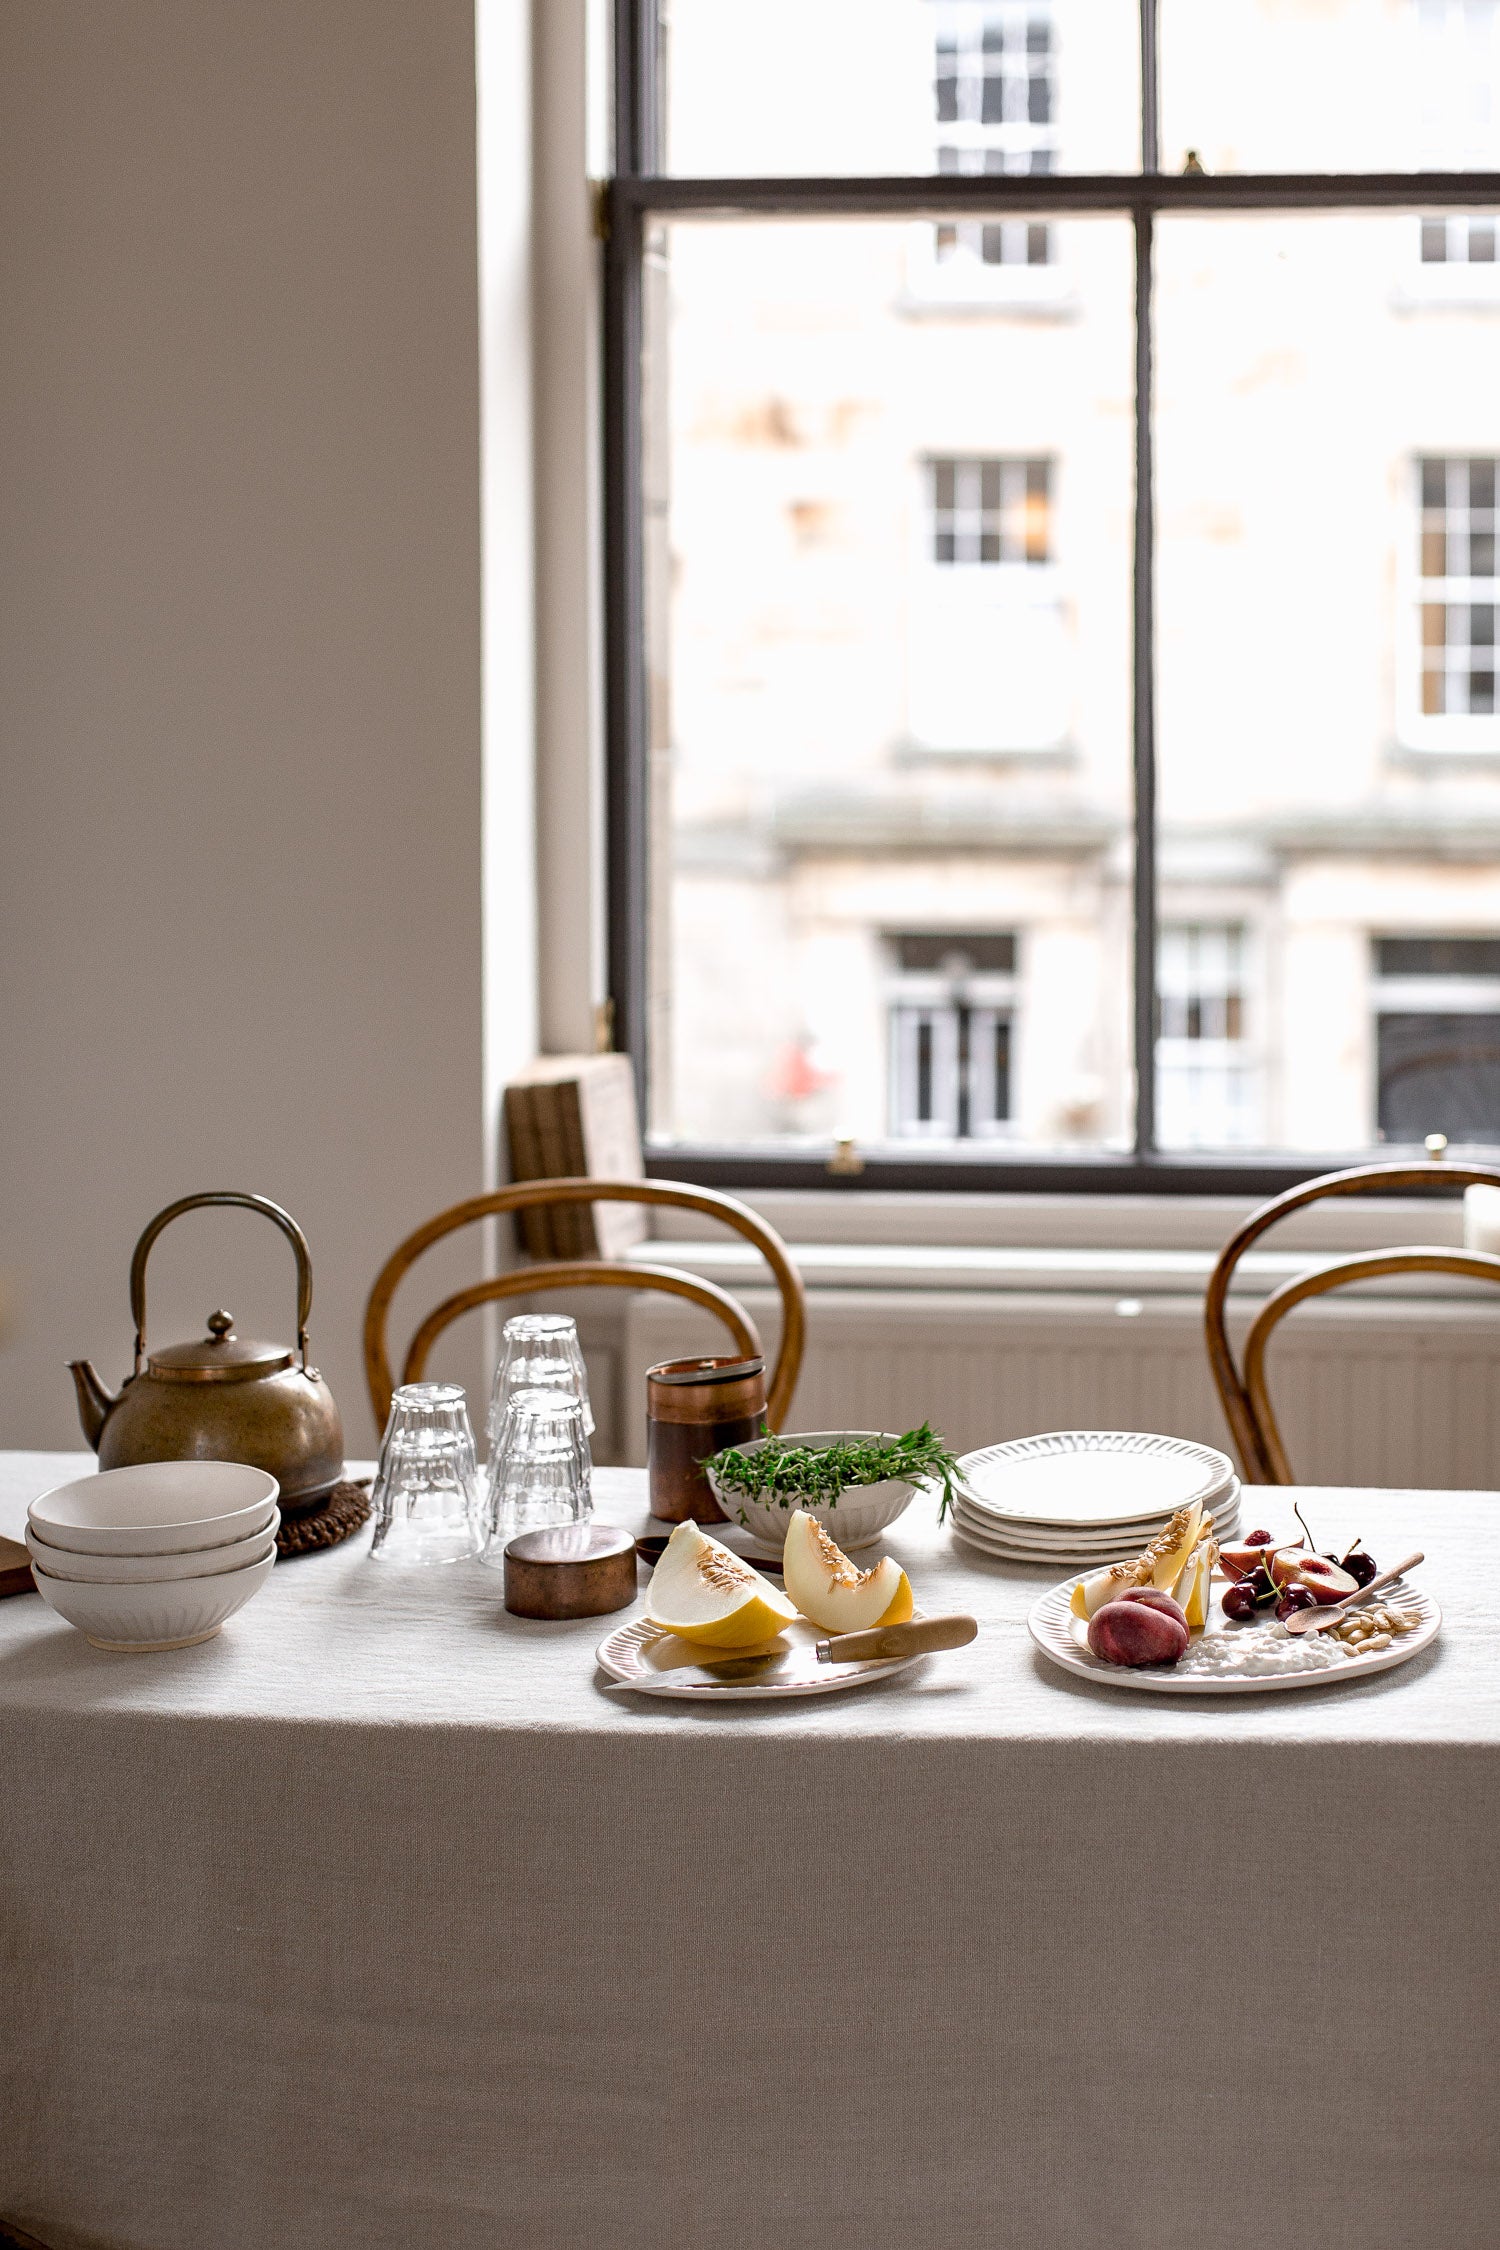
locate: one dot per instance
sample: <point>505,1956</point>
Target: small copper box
<point>570,1570</point>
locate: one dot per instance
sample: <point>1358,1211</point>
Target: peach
<point>1137,1633</point>
<point>1155,1599</point>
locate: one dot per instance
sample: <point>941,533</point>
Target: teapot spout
<point>94,1401</point>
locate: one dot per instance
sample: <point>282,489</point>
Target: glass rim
<point>532,1404</point>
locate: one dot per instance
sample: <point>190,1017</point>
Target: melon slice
<point>1170,1549</point>
<point>704,1592</point>
<point>827,1587</point>
<point>1192,1590</point>
<point>1159,1565</point>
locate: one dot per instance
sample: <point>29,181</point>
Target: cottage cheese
<point>1259,1652</point>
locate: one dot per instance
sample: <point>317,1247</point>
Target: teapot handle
<point>283,1219</point>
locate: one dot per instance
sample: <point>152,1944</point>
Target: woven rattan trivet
<point>342,1513</point>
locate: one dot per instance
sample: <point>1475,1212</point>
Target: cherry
<point>1295,1598</point>
<point>1262,1587</point>
<point>1238,1601</point>
<point>1360,1566</point>
<point>1257,1539</point>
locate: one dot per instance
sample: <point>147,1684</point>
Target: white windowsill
<point>1115,1247</point>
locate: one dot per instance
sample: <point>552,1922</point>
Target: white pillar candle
<point>1482,1218</point>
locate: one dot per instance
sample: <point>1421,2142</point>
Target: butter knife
<point>882,1644</point>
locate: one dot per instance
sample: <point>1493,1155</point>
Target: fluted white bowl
<point>151,1570</point>
<point>174,1614</point>
<point>157,1507</point>
<point>858,1516</point>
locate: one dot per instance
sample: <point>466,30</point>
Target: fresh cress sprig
<point>793,1476</point>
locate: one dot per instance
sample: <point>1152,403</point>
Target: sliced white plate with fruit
<point>1188,1618</point>
<point>715,1630</point>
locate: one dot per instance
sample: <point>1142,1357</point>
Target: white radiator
<point>1369,1391</point>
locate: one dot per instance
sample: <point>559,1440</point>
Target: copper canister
<point>694,1408</point>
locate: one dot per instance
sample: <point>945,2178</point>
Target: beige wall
<point>240,630</point>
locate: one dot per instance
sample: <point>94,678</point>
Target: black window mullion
<point>1150,89</point>
<point>627,908</point>
<point>939,195</point>
<point>1143,624</point>
<point>1143,712</point>
<point>637,105</point>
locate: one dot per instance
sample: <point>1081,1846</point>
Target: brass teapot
<point>226,1398</point>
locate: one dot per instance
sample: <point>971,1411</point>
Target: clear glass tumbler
<point>539,1352</point>
<point>539,1469</point>
<point>425,1499</point>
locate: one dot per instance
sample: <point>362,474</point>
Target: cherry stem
<point>1306,1533</point>
<point>1352,1549</point>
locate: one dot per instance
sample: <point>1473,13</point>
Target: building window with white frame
<point>1437,1038</point>
<point>952,1018</point>
<point>989,667</point>
<point>1205,1080</point>
<point>991,511</point>
<point>995,103</point>
<point>1458,89</point>
<point>1458,241</point>
<point>1459,589</point>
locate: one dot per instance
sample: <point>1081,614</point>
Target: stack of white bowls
<point>156,1556</point>
<point>1079,1499</point>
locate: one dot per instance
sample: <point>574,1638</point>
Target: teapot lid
<point>221,1356</point>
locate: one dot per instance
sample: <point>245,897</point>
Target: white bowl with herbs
<point>855,1482</point>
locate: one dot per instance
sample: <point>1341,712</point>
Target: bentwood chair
<point>583,1273</point>
<point>1243,1388</point>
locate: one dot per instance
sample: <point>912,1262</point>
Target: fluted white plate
<point>1060,1550</point>
<point>1224,1508</point>
<point>656,1663</point>
<point>1034,1556</point>
<point>1064,1639</point>
<point>1090,1479</point>
<point>1220,1503</point>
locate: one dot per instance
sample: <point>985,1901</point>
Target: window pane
<point>1332,86</point>
<point>1329,752</point>
<point>830,86</point>
<point>890,660</point>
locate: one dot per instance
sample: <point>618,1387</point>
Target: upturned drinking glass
<point>539,1352</point>
<point>539,1471</point>
<point>426,1495</point>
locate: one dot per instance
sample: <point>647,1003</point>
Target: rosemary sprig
<point>784,1475</point>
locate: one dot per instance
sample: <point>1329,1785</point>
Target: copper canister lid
<point>570,1570</point>
<point>705,1390</point>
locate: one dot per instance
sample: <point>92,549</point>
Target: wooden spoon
<point>1318,1620</point>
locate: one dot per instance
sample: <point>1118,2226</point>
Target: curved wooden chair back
<point>584,1273</point>
<point>1244,1392</point>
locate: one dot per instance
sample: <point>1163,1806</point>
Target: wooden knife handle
<point>914,1639</point>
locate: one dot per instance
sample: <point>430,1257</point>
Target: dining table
<point>380,1920</point>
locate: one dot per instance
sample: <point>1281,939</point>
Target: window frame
<point>638,193</point>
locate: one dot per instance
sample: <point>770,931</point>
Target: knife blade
<point>726,1671</point>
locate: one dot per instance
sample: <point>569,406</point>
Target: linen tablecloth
<point>374,1921</point>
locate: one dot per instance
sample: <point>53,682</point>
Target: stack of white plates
<point>156,1556</point>
<point>1080,1499</point>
